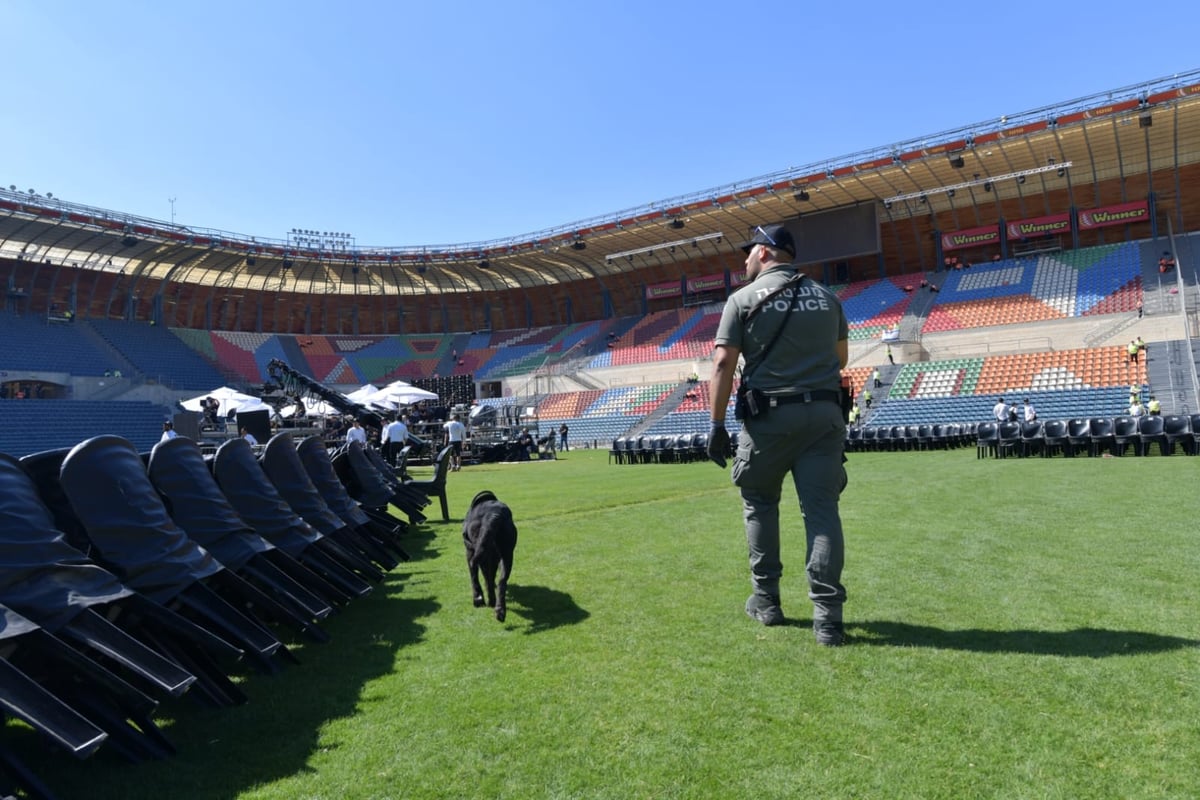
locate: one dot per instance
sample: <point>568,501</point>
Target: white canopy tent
<point>230,400</point>
<point>362,393</point>
<point>399,393</point>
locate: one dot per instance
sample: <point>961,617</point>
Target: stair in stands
<point>118,360</point>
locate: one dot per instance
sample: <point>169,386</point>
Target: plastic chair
<point>1054,438</point>
<point>282,464</point>
<point>381,485</point>
<point>260,505</point>
<point>1177,429</point>
<point>925,437</point>
<point>681,449</point>
<point>867,438</point>
<point>1100,435</point>
<point>882,438</point>
<point>1152,429</point>
<point>662,449</point>
<point>1008,439</point>
<point>1125,434</point>
<point>987,439</point>
<point>1078,436</point>
<point>197,505</point>
<point>378,535</point>
<point>912,437</point>
<point>436,486</point>
<point>152,554</point>
<point>1032,438</point>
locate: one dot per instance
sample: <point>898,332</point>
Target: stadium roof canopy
<point>1027,151</point>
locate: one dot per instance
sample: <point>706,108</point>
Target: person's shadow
<point>544,608</point>
<point>1078,642</point>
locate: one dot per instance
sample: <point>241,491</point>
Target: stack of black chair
<point>131,579</point>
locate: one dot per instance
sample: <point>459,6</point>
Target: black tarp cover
<point>41,576</point>
<point>13,624</point>
<point>44,467</point>
<point>408,497</point>
<point>385,470</point>
<point>315,458</point>
<point>374,491</point>
<point>282,464</point>
<point>106,483</point>
<point>257,501</point>
<point>195,502</point>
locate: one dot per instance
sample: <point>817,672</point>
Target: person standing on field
<point>795,340</point>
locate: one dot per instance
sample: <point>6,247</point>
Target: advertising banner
<point>1122,214</point>
<point>658,291</point>
<point>706,283</point>
<point>971,237</point>
<point>1039,226</point>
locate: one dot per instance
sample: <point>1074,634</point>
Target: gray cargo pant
<point>808,440</point>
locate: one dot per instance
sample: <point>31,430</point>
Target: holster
<point>749,403</point>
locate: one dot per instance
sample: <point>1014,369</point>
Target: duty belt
<point>817,396</point>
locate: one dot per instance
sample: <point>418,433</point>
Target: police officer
<point>793,334</point>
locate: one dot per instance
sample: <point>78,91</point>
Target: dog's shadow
<point>543,607</point>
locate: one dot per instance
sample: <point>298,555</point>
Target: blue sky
<point>447,123</point>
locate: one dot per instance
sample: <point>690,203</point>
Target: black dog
<point>490,537</point>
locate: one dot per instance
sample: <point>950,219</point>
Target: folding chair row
<point>127,579</point>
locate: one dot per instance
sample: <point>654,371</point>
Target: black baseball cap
<point>777,236</point>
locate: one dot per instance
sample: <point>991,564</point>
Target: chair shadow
<point>418,541</point>
<point>544,608</point>
<point>1078,642</point>
<point>290,711</point>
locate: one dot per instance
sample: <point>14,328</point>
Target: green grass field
<point>1020,629</point>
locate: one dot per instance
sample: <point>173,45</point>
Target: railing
<point>1038,344</point>
<point>863,354</point>
<point>1104,332</point>
<point>662,207</point>
<point>1187,318</point>
<point>1035,246</point>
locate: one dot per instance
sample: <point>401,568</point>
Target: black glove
<point>718,444</point>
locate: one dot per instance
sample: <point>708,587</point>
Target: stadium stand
<point>35,344</point>
<point>157,354</point>
<point>1091,382</point>
<point>1094,280</point>
<point>874,306</point>
<point>31,426</point>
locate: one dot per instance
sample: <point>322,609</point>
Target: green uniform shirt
<point>804,358</point>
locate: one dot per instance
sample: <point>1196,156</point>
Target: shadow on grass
<point>544,608</point>
<point>223,753</point>
<point>1080,642</point>
<point>418,540</point>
